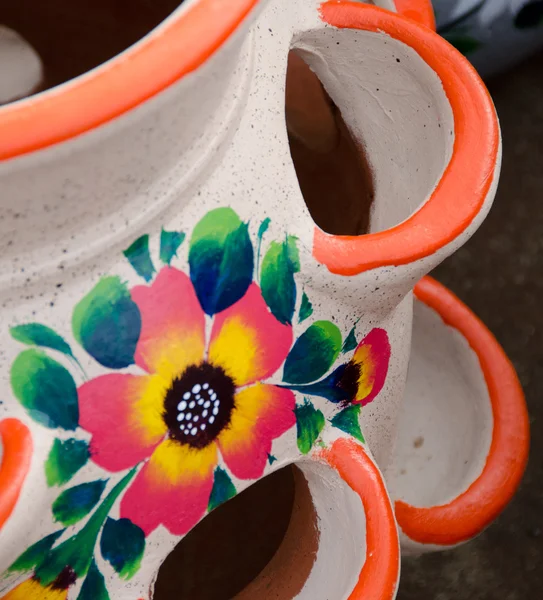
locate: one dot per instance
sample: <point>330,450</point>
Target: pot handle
<point>14,464</point>
<point>379,576</point>
<point>420,11</point>
<point>482,469</point>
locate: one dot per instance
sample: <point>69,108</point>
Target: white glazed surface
<point>218,138</point>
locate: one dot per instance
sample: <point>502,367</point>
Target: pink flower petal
<point>172,489</point>
<point>262,413</point>
<point>247,341</point>
<point>173,324</point>
<point>124,415</point>
<point>372,356</point>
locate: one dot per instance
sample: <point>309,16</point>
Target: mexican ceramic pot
<point>191,309</point>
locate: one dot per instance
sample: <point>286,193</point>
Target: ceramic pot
<point>494,34</point>
<point>178,329</point>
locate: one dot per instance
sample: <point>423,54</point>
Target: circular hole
<point>332,169</point>
<point>261,544</point>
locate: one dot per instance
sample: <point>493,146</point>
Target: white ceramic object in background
<point>278,342</point>
<point>494,34</point>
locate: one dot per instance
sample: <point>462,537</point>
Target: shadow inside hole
<point>261,545</point>
<point>74,36</point>
<point>332,169</point>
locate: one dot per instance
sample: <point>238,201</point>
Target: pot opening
<point>332,168</point>
<point>261,545</point>
<point>52,42</point>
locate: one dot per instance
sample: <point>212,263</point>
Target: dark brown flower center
<point>199,404</point>
<point>66,578</point>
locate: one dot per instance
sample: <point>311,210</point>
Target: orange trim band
<point>116,87</point>
<point>482,502</point>
<point>379,577</point>
<point>15,463</point>
<point>465,184</point>
<point>420,11</point>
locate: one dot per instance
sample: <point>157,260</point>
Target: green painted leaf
<point>76,502</point>
<point>348,420</point>
<point>463,43</point>
<point>221,260</point>
<point>309,424</point>
<point>313,353</point>
<point>280,263</point>
<point>36,334</point>
<point>34,555</point>
<point>77,552</point>
<point>122,544</point>
<point>306,308</point>
<point>169,245</point>
<point>107,323</point>
<point>350,342</point>
<point>46,390</point>
<point>139,257</point>
<point>263,227</point>
<point>271,459</point>
<point>223,489</point>
<point>94,586</point>
<point>64,460</point>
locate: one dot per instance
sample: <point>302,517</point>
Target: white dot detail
<point>205,413</point>
<point>202,426</point>
<point>205,386</point>
<point>211,420</point>
<point>200,401</point>
<point>181,417</point>
<point>196,389</point>
<point>196,418</point>
<point>189,416</point>
<point>213,396</point>
<point>194,431</point>
<point>215,411</point>
<point>192,404</point>
<point>186,395</point>
<point>182,405</point>
<point>207,404</point>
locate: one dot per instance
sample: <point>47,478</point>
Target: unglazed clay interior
<point>261,544</point>
<point>445,425</point>
<point>72,37</point>
<point>395,108</point>
<point>332,170</point>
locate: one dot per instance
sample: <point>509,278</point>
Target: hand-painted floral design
<point>203,373</point>
<point>197,399</point>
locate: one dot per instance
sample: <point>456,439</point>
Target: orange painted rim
<point>378,579</point>
<point>159,60</point>
<point>14,465</point>
<point>420,11</point>
<point>464,186</point>
<point>468,514</point>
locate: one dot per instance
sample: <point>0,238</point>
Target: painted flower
<point>32,589</point>
<point>203,393</point>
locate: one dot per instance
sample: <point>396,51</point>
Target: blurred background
<point>499,274</point>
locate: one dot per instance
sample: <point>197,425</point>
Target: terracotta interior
<point>75,36</point>
<point>261,545</point>
<point>332,169</point>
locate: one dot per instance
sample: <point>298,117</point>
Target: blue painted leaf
<point>263,227</point>
<point>122,544</point>
<point>107,323</point>
<point>34,555</point>
<point>280,263</point>
<point>223,489</point>
<point>348,420</point>
<point>169,245</point>
<point>339,386</point>
<point>221,260</point>
<point>309,424</point>
<point>139,257</point>
<point>94,586</point>
<point>36,334</point>
<point>46,390</point>
<point>350,342</point>
<point>76,502</point>
<point>64,460</point>
<point>313,353</point>
<point>271,459</point>
<point>306,309</point>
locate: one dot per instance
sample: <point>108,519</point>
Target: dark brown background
<point>499,274</point>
